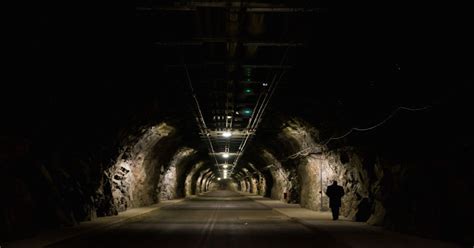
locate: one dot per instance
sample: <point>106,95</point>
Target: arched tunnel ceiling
<point>328,71</point>
<point>336,72</point>
<point>233,58</point>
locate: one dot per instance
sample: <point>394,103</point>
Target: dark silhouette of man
<point>335,192</point>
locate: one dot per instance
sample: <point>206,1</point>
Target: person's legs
<point>335,213</point>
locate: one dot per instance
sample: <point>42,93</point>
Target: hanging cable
<point>201,121</point>
<point>256,120</point>
<point>308,150</point>
<point>376,125</point>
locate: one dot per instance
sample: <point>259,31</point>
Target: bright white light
<point>265,84</point>
<point>225,166</point>
<point>225,174</point>
<point>227,134</point>
<point>229,117</point>
<point>218,179</point>
<point>225,155</point>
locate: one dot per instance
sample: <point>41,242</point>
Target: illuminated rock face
<point>380,189</point>
<point>281,183</point>
<point>304,178</point>
<point>138,168</point>
<point>191,178</point>
<point>168,187</point>
<point>310,178</point>
<point>156,165</point>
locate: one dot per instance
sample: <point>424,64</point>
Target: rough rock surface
<point>191,178</point>
<point>380,190</point>
<point>168,183</point>
<point>135,173</point>
<point>281,182</point>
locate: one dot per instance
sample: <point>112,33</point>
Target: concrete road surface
<point>226,219</point>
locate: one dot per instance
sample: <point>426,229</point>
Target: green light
<point>247,112</point>
<point>248,91</point>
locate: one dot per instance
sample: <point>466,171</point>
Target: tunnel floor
<point>230,219</point>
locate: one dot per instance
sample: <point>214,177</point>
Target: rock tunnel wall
<point>251,181</point>
<point>304,178</point>
<point>201,186</point>
<point>380,190</point>
<point>281,182</point>
<point>54,191</point>
<point>191,179</point>
<point>168,186</point>
<point>138,168</point>
<point>65,190</point>
<point>146,173</point>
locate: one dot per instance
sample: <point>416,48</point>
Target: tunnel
<point>225,123</point>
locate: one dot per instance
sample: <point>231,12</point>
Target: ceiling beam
<point>200,42</point>
<point>254,66</point>
<point>248,7</point>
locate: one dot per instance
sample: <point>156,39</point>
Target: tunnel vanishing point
<point>222,123</point>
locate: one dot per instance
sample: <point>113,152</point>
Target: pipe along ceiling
<point>276,99</point>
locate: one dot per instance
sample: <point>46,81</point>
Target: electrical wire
<point>256,121</point>
<point>307,150</point>
<point>376,125</point>
<point>201,117</point>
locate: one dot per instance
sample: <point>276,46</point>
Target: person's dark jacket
<point>335,192</point>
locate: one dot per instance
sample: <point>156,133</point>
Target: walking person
<point>335,193</point>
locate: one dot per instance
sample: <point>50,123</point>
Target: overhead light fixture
<point>225,155</point>
<point>218,179</point>
<point>227,134</point>
<point>225,166</point>
<point>247,111</point>
<point>229,117</point>
<point>264,84</point>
